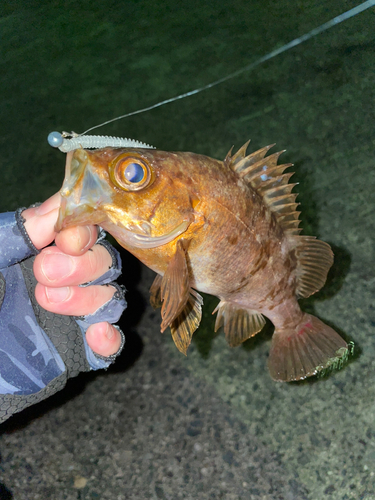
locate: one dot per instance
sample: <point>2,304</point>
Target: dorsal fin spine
<point>276,182</point>
<point>262,166</point>
<point>278,191</point>
<point>241,153</point>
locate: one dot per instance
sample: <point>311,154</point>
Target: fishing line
<point>62,140</point>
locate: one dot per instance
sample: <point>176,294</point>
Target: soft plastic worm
<point>65,145</point>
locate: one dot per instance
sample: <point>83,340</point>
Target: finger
<point>40,221</point>
<point>47,206</point>
<point>76,240</point>
<point>73,300</point>
<point>54,268</point>
<point>103,338</point>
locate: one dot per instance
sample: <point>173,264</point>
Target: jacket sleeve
<point>40,350</point>
<point>15,244</point>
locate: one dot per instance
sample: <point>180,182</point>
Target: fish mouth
<point>82,216</point>
<point>146,241</point>
<point>85,214</point>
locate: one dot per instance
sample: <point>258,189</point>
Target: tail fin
<point>305,350</point>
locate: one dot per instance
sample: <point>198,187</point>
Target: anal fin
<point>239,324</point>
<point>305,350</point>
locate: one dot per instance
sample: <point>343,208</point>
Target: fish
<point>227,228</point>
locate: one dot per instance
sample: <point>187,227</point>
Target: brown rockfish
<point>227,228</point>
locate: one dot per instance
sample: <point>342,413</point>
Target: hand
<point>61,268</point>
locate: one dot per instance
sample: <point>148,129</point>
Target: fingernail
<point>57,295</point>
<point>87,234</point>
<point>110,332</point>
<point>43,209</point>
<point>57,266</point>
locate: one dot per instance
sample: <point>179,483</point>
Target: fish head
<point>137,195</point>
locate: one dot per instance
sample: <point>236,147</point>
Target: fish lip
<point>83,215</point>
<point>144,241</point>
<point>62,216</point>
<point>81,203</point>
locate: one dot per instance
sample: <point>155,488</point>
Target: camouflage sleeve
<point>40,350</point>
<point>15,244</point>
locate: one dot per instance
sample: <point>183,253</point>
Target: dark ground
<point>212,425</point>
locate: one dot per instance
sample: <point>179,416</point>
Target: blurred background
<point>212,425</point>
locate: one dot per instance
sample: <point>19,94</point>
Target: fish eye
<point>130,172</point>
<point>134,172</point>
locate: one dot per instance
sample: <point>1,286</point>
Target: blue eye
<point>130,173</point>
<point>134,173</point>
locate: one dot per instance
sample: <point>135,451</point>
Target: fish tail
<point>306,349</point>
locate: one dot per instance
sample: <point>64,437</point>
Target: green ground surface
<point>212,425</point>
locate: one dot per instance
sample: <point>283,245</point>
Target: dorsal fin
<point>267,178</point>
<point>233,161</point>
<point>241,153</point>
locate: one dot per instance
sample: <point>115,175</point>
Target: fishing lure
<point>68,142</point>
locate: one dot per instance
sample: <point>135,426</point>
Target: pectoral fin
<point>314,259</point>
<point>187,322</point>
<point>239,324</point>
<point>155,298</point>
<point>174,289</point>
